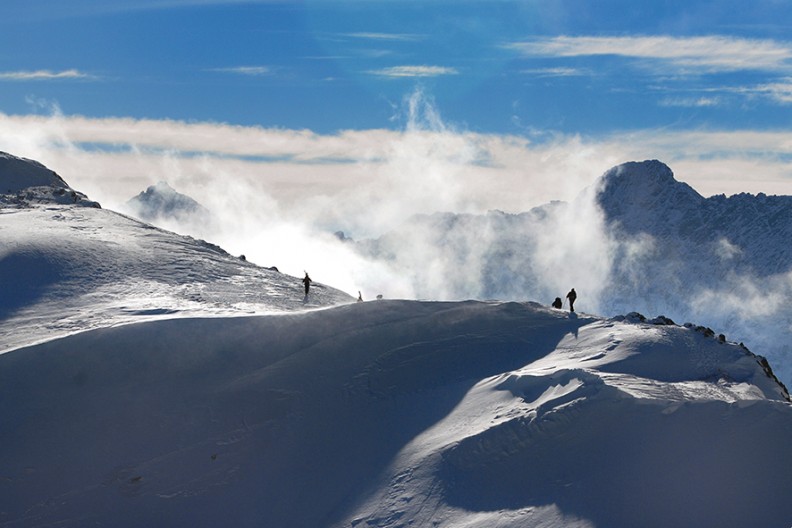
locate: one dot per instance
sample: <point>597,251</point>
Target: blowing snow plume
<point>279,195</point>
<point>441,212</point>
<point>636,240</point>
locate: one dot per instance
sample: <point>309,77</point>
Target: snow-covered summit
<point>24,181</point>
<point>161,201</point>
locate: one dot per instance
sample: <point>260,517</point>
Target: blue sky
<point>490,66</point>
<point>321,107</point>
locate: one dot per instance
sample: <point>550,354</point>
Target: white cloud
<point>725,250</point>
<point>245,70</point>
<point>44,75</point>
<point>556,72</point>
<point>706,53</point>
<point>415,71</point>
<point>282,192</point>
<point>691,102</point>
<point>780,91</point>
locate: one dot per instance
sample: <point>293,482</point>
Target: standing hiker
<point>307,281</point>
<point>571,296</point>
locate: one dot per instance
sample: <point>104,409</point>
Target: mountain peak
<point>640,193</point>
<point>23,181</point>
<point>162,200</point>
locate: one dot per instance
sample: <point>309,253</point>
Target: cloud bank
<point>281,194</point>
<point>706,53</point>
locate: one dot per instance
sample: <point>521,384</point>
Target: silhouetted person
<point>360,297</point>
<point>557,304</point>
<point>571,296</point>
<point>307,281</point>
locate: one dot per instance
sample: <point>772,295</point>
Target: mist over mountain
<point>66,268</point>
<point>636,240</point>
<point>161,202</point>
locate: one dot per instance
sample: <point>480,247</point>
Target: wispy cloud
<point>415,71</point>
<point>44,75</point>
<point>707,53</point>
<point>691,102</point>
<point>254,71</point>
<point>556,72</point>
<point>402,37</point>
<point>780,91</point>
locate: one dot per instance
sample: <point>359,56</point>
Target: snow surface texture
<point>393,413</point>
<point>638,240</point>
<point>376,414</point>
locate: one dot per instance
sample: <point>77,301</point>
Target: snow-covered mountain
<point>24,181</point>
<point>162,202</point>
<point>637,240</point>
<point>65,268</point>
<point>225,400</point>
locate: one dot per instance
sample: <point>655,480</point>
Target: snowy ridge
<point>24,181</point>
<point>66,268</point>
<point>394,413</point>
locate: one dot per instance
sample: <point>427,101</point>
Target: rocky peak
<point>644,194</point>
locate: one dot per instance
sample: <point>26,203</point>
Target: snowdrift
<point>393,413</point>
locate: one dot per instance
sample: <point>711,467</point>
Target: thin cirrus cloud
<point>254,71</point>
<point>44,75</point>
<point>401,37</point>
<point>414,71</point>
<point>780,91</point>
<point>691,102</point>
<point>556,72</point>
<point>708,53</point>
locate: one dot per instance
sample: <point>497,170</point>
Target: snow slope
<point>393,413</point>
<point>66,268</point>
